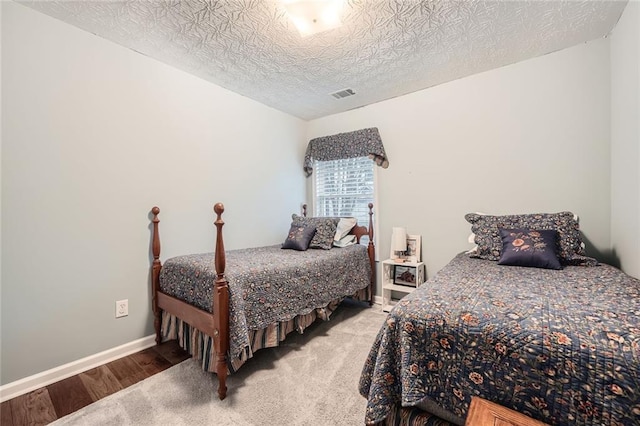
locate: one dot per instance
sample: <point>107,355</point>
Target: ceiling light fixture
<point>314,16</point>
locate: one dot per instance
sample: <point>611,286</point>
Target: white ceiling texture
<point>385,48</point>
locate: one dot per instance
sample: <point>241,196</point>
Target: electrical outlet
<point>122,308</point>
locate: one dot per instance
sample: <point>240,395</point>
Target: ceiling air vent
<point>343,93</point>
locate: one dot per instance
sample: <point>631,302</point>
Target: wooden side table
<point>486,413</point>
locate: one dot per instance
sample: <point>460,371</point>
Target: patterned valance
<point>361,143</point>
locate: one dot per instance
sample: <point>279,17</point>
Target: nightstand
<point>401,278</point>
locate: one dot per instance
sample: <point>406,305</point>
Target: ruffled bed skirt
<point>200,345</point>
<point>412,416</point>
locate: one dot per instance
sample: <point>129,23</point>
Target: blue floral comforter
<point>561,346</point>
<point>268,284</point>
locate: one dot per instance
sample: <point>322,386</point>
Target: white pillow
<point>472,240</point>
<point>345,241</point>
<point>345,224</point>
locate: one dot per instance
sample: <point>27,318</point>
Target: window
<point>344,187</point>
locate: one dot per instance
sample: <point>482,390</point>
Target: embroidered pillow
<point>325,229</point>
<point>487,234</point>
<point>528,247</point>
<point>299,237</point>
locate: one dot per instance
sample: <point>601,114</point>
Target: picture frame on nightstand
<point>414,248</point>
<point>404,275</point>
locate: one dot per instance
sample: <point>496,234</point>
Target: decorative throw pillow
<point>345,225</point>
<point>299,237</point>
<point>528,247</point>
<point>487,234</point>
<point>345,241</point>
<point>325,229</point>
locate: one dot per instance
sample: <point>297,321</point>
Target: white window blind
<point>344,187</point>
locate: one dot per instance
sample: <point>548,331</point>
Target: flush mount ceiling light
<point>314,16</point>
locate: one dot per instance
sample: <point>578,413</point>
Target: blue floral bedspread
<point>268,284</point>
<point>561,346</point>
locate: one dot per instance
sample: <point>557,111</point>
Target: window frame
<point>376,210</point>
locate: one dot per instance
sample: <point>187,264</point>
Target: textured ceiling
<point>384,49</point>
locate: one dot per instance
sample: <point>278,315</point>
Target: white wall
<point>625,139</point>
<point>93,136</point>
<point>529,137</point>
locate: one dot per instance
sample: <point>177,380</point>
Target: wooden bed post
<point>155,275</point>
<point>304,210</point>
<point>372,255</point>
<point>220,307</point>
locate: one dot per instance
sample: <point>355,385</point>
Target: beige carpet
<point>311,380</point>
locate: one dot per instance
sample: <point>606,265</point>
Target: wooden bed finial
<point>220,306</point>
<point>220,260</point>
<point>155,273</point>
<point>304,210</point>
<point>219,209</point>
<point>156,238</point>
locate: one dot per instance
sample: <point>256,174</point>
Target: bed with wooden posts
<point>223,306</point>
<point>523,320</point>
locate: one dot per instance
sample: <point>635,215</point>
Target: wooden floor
<point>49,403</point>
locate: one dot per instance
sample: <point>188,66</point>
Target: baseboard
<point>37,381</point>
<point>28,384</point>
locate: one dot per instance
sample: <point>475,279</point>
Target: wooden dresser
<point>486,413</point>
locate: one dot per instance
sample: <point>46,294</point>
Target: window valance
<point>360,143</point>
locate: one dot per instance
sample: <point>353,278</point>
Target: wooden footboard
<point>216,324</point>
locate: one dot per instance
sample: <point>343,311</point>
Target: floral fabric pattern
<point>408,416</point>
<point>531,248</point>
<point>524,240</point>
<point>325,229</point>
<point>360,143</point>
<point>268,284</point>
<point>561,346</point>
<point>487,234</point>
<point>201,346</point>
<point>299,237</point>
